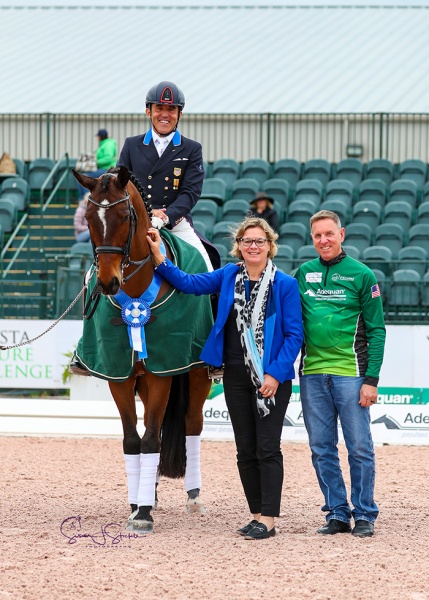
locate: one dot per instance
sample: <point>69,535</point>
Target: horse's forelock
<point>105,182</point>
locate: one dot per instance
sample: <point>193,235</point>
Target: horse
<point>119,216</point>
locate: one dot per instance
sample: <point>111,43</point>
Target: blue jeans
<point>324,398</point>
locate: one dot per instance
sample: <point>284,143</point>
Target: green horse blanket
<point>175,338</point>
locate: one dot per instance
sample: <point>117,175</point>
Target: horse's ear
<point>88,182</point>
<point>123,176</point>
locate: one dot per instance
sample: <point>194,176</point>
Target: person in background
<point>105,155</point>
<point>170,167</point>
<point>257,336</point>
<point>344,337</point>
<point>81,231</point>
<point>262,207</point>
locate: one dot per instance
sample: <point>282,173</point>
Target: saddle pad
<point>175,339</point>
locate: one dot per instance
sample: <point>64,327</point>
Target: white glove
<point>157,222</point>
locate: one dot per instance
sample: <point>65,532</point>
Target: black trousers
<point>259,456</point>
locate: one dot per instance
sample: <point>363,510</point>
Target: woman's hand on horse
<point>154,241</point>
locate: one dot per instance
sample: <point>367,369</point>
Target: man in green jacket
<point>105,155</point>
<point>344,337</point>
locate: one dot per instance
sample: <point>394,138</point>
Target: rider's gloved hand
<point>157,222</point>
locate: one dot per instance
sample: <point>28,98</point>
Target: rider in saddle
<point>170,167</point>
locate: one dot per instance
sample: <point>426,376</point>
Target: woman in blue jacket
<point>256,336</point>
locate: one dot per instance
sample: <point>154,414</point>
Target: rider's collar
<point>333,261</point>
<point>176,137</point>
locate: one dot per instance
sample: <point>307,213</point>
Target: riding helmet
<point>165,92</point>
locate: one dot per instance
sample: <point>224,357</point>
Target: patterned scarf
<point>250,325</point>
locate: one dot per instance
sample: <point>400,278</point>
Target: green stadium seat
<point>359,235</point>
<point>309,189</point>
<point>227,169</point>
<point>340,189</point>
<point>337,206</point>
<point>294,235</point>
<point>419,236</point>
<point>390,235</point>
<point>351,169</point>
<point>415,170</point>
<point>300,211</point>
<point>380,168</point>
<point>284,259</point>
<point>382,281</point>
<point>351,251</point>
<point>69,182</point>
<point>413,257</point>
<point>289,170</point>
<point>15,189</point>
<point>222,235</point>
<point>256,168</point>
<point>367,211</point>
<point>244,189</point>
<point>8,215</point>
<point>207,212</point>
<point>374,190</point>
<point>1,236</point>
<point>405,190</point>
<point>38,171</point>
<point>423,212</point>
<point>201,228</point>
<point>207,169</point>
<point>279,190</point>
<point>21,169</point>
<point>304,254</point>
<point>317,168</point>
<point>81,255</point>
<point>404,292</point>
<point>235,210</point>
<point>214,188</point>
<point>425,290</point>
<point>399,212</point>
<point>378,257</point>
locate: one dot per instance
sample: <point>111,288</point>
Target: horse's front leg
<point>154,392</point>
<point>199,388</point>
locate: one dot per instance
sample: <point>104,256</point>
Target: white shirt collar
<point>157,139</point>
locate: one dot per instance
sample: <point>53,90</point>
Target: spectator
<point>81,231</point>
<point>105,155</point>
<point>262,207</point>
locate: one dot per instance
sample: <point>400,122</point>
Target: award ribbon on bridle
<point>136,312</point>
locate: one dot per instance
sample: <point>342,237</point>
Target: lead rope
<point>68,309</point>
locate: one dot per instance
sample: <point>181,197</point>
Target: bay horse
<point>118,217</point>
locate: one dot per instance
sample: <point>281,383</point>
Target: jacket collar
<point>177,138</point>
<point>334,261</point>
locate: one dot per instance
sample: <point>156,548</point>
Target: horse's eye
<point>125,219</point>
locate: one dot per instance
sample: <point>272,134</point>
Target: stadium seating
<point>226,169</point>
<point>82,255</point>
<point>294,235</point>
<point>278,190</point>
<point>340,189</point>
<point>16,190</point>
<point>305,253</point>
<point>338,207</point>
<point>425,290</point>
<point>284,258</point>
<point>206,211</point>
<point>215,188</point>
<point>221,235</point>
<point>8,215</point>
<point>69,182</point>
<point>380,168</point>
<point>351,169</point>
<point>405,190</point>
<point>319,169</point>
<point>378,257</point>
<point>351,251</point>
<point>404,292</point>
<point>415,170</point>
<point>399,212</point>
<point>300,211</point>
<point>390,235</point>
<point>288,169</point>
<point>21,169</point>
<point>309,189</point>
<point>38,171</point>
<point>256,168</point>
<point>244,189</point>
<point>367,211</point>
<point>413,257</point>
<point>419,236</point>
<point>359,235</point>
<point>423,212</point>
<point>374,190</point>
<point>235,210</point>
<point>382,281</point>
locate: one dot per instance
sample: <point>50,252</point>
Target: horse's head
<point>113,211</point>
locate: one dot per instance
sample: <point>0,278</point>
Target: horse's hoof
<point>139,526</point>
<point>195,506</point>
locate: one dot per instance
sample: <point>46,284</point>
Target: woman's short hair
<point>239,231</point>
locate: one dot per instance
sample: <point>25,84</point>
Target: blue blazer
<point>173,180</point>
<point>287,335</point>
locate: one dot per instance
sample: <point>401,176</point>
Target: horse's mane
<point>138,187</point>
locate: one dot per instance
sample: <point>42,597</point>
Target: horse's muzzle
<point>111,288</point>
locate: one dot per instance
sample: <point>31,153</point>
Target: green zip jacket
<point>344,329</point>
<point>106,154</point>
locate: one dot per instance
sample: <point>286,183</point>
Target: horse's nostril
<point>113,287</point>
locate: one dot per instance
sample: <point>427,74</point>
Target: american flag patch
<point>375,291</point>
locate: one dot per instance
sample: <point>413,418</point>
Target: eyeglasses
<point>249,241</point>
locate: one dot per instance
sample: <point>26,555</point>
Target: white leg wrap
<point>148,469</point>
<point>193,470</point>
<point>132,467</point>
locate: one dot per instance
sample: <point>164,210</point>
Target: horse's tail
<point>172,462</point>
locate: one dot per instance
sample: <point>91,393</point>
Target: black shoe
<point>334,526</point>
<point>260,532</point>
<point>363,528</point>
<point>245,530</point>
<point>77,368</point>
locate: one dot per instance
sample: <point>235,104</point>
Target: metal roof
<point>98,58</point>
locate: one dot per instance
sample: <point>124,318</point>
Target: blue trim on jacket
<point>283,324</point>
